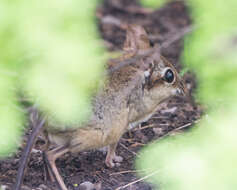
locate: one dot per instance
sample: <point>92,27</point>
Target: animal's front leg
<point>111,158</point>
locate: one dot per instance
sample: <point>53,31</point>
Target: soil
<point>174,116</point>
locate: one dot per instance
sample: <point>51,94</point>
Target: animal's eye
<point>169,76</point>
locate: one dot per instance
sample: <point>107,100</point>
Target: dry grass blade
<point>136,181</point>
<point>128,171</point>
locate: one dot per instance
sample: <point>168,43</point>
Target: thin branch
<point>37,126</point>
<point>139,55</point>
<point>144,53</point>
<point>178,36</point>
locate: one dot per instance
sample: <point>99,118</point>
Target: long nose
<point>182,90</point>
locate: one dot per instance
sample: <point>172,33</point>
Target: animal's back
<point>114,96</point>
<point>109,117</point>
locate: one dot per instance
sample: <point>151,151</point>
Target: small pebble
<point>89,186</point>
<point>4,187</point>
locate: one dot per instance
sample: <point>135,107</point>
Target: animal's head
<point>161,78</point>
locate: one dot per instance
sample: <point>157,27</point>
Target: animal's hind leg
<point>111,158</point>
<point>48,172</point>
<point>50,157</point>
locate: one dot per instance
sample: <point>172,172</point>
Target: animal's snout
<point>182,90</point>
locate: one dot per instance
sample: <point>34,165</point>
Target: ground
<point>174,116</point>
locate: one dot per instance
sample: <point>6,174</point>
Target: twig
<point>149,126</point>
<point>144,53</point>
<point>141,179</point>
<point>170,132</point>
<point>134,153</point>
<point>128,171</point>
<point>37,125</point>
<point>144,127</point>
<point>185,126</point>
<point>177,37</point>
<point>159,117</point>
<point>179,128</point>
<point>140,54</point>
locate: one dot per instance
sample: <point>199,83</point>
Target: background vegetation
<point>204,157</point>
<point>51,53</point>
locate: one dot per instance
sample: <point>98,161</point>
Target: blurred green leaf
<point>69,57</point>
<point>11,116</point>
<point>52,52</point>
<point>203,158</point>
<point>153,3</point>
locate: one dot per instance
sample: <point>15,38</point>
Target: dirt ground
<point>172,117</point>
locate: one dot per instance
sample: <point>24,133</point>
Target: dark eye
<point>169,76</point>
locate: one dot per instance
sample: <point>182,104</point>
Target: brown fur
<point>122,101</point>
<point>130,95</point>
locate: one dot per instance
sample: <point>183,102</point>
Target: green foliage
<point>153,3</point>
<point>204,157</point>
<point>52,52</point>
<point>210,50</point>
<point>11,117</point>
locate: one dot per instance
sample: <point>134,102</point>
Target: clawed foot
<point>113,161</point>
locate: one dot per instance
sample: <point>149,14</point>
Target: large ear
<point>136,39</point>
